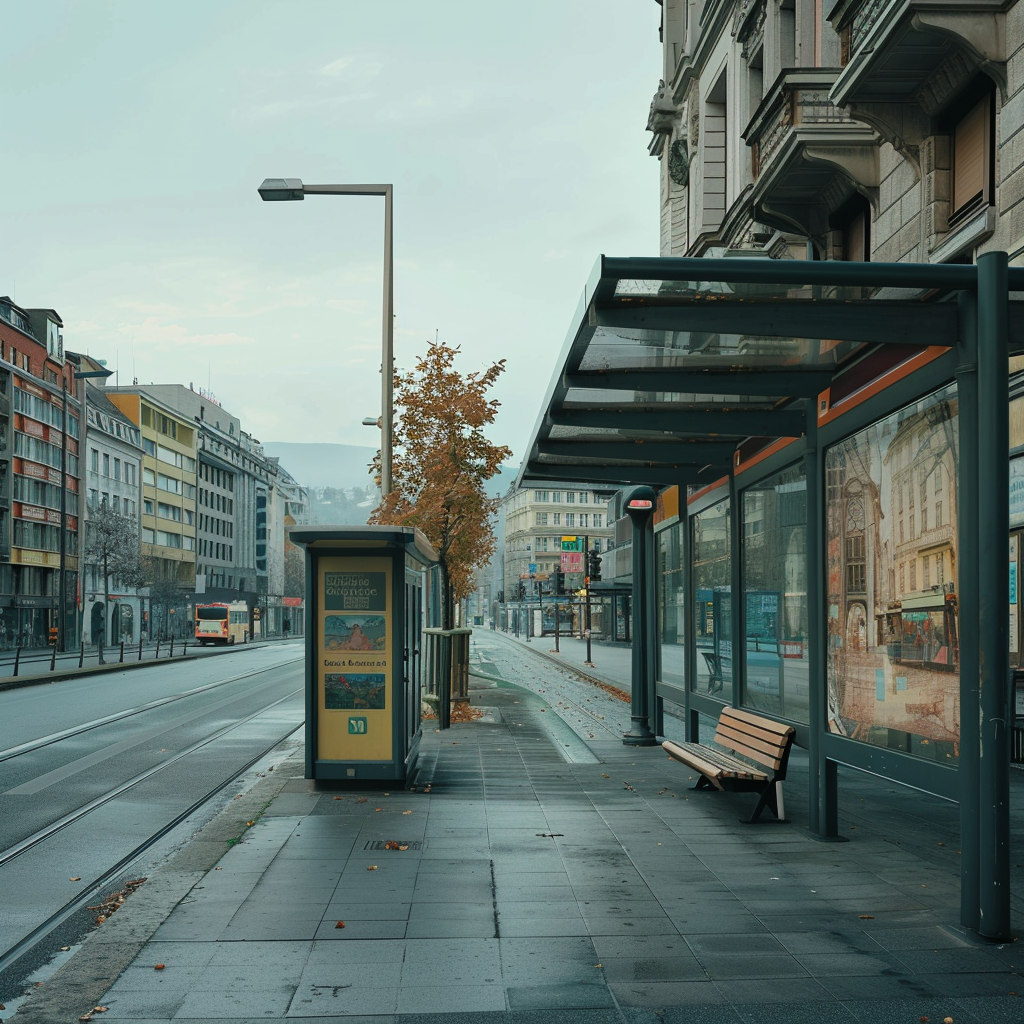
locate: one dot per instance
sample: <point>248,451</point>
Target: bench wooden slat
<point>765,724</point>
<point>755,749</point>
<point>711,761</point>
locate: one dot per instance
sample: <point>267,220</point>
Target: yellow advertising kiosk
<point>366,591</point>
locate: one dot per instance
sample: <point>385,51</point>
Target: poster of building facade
<point>891,534</point>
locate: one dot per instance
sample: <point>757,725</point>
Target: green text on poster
<point>355,591</point>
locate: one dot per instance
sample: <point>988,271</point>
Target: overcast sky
<point>136,133</point>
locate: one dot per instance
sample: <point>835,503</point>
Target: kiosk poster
<point>354,659</point>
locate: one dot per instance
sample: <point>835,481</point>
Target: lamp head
<point>281,189</point>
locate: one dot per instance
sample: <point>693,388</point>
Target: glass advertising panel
<point>354,665</point>
<point>712,613</point>
<point>775,591</point>
<point>893,630</point>
<point>671,608</point>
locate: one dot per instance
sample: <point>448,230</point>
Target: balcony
<point>898,52</point>
<point>807,155</point>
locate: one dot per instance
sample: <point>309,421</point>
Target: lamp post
<point>61,582</point>
<point>290,189</point>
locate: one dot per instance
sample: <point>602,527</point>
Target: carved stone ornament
<point>679,162</point>
<point>663,111</point>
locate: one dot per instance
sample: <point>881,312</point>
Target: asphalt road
<point>94,770</point>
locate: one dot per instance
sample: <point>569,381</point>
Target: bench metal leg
<point>771,797</point>
<point>703,783</point>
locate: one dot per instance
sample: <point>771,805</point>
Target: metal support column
<point>967,594</point>
<point>993,586</point>
<point>821,782</point>
<point>738,633</point>
<point>640,508</point>
<point>691,718</point>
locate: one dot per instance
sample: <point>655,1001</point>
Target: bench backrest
<point>755,738</point>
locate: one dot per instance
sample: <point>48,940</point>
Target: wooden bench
<point>763,747</point>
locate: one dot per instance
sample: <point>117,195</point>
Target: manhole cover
<point>385,844</point>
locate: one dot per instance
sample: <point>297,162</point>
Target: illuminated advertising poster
<point>355,658</point>
<point>893,618</point>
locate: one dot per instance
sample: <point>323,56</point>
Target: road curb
<point>78,985</point>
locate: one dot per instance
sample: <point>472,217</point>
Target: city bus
<point>222,623</point>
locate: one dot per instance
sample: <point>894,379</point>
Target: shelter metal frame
<point>713,375</point>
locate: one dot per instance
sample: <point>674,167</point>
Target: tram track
<point>13,953</point>
<point>130,815</point>
<point>64,734</point>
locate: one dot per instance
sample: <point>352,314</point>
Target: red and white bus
<point>222,623</point>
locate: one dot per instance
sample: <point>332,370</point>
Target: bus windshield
<point>211,613</point>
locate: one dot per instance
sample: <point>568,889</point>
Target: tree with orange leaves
<point>440,462</point>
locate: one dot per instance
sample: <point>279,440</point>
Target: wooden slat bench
<point>763,747</point>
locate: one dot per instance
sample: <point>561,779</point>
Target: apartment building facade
<point>39,477</point>
<point>113,456</point>
<point>169,461</point>
<point>536,520</point>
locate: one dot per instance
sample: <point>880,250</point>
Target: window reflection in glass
<point>775,591</point>
<point>712,613</point>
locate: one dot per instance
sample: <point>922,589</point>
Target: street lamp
<point>61,583</point>
<point>289,189</point>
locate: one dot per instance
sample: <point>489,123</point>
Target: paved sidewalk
<point>539,889</point>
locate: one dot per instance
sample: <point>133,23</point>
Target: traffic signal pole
<point>586,577</point>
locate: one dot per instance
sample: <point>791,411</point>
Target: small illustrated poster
<point>344,691</point>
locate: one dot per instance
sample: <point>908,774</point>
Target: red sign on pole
<point>572,561</point>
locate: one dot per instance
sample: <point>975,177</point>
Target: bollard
<point>17,658</point>
<point>157,647</point>
<point>53,658</point>
<point>81,654</point>
<point>171,655</point>
<point>120,660</point>
<point>140,645</point>
<point>100,660</point>
<point>184,645</point>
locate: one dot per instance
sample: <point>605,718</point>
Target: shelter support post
<point>691,719</point>
<point>640,507</point>
<point>993,585</point>
<point>822,788</point>
<point>738,632</point>
<point>967,594</point>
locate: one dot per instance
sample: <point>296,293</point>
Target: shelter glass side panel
<point>712,584</point>
<point>355,664</point>
<point>893,617</point>
<point>671,605</point>
<point>777,677</point>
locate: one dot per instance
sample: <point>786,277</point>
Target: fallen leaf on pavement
<point>159,967</point>
<point>340,924</point>
<point>868,917</point>
<point>372,867</point>
<point>75,878</point>
<point>407,812</point>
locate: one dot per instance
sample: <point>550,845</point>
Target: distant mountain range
<point>324,465</point>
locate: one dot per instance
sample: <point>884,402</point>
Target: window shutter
<point>970,140</point>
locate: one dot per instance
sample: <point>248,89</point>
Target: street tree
<point>441,460</point>
<point>112,546</point>
<point>165,589</point>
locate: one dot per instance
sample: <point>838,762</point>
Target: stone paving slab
<point>548,888</point>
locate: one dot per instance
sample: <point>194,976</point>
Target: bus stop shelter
<point>831,443</point>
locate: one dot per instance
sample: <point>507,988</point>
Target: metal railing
<point>446,669</point>
<point>33,660</point>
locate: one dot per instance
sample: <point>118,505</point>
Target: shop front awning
<point>673,366</point>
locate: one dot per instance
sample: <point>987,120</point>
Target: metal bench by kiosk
<point>758,742</point>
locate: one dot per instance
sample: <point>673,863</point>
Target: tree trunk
<point>447,602</point>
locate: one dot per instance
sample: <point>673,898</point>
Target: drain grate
<point>382,844</point>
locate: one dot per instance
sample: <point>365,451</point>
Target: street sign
<point>572,543</point>
<point>533,567</point>
<point>572,561</point>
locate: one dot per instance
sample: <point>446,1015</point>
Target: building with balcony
<point>39,476</point>
<point>884,130</point>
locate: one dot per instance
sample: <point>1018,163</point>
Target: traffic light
<point>256,614</point>
<point>594,566</point>
<point>556,577</point>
